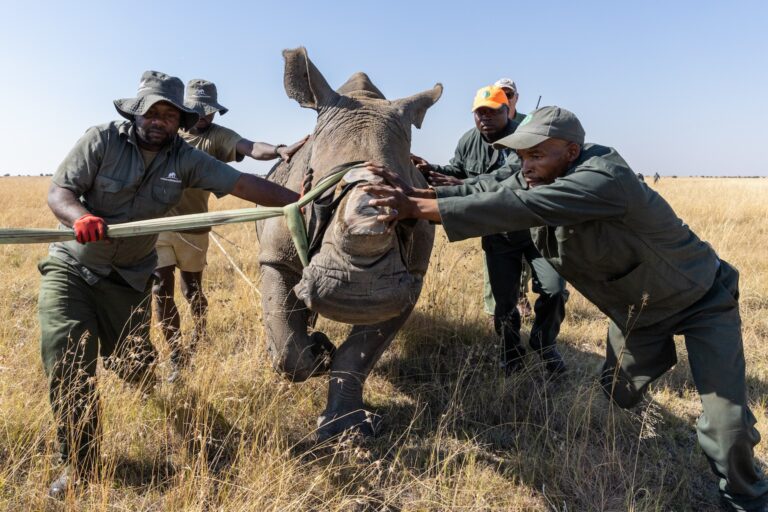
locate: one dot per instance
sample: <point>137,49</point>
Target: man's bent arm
<point>502,177</point>
<point>262,192</point>
<point>426,208</point>
<point>580,197</point>
<point>264,151</point>
<point>457,167</point>
<point>257,150</point>
<point>65,205</point>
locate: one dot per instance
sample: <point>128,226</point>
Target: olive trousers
<point>712,331</point>
<point>79,322</point>
<point>505,263</point>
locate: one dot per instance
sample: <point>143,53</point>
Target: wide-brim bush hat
<point>202,97</point>
<point>154,87</point>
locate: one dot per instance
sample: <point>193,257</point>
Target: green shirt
<point>519,116</point>
<point>106,171</point>
<point>475,156</point>
<point>607,233</point>
<point>221,144</point>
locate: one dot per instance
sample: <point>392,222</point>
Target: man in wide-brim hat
<point>95,293</point>
<point>188,250</point>
<point>156,87</point>
<point>623,247</point>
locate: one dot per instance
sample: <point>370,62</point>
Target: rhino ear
<point>304,83</point>
<point>414,108</point>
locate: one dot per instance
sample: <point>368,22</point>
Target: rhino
<point>361,272</point>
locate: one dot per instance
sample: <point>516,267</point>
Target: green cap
<point>542,124</point>
<point>154,87</point>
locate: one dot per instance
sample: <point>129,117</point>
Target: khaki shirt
<point>221,144</point>
<point>106,170</point>
<point>607,233</point>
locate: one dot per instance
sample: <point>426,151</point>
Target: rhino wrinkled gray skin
<point>363,274</point>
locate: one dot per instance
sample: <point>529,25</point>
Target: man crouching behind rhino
<point>361,272</point>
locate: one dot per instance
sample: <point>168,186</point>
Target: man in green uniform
<point>621,245</point>
<point>523,306</point>
<point>95,292</point>
<point>504,252</point>
<point>187,250</point>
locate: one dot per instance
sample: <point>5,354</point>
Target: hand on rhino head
<point>361,261</point>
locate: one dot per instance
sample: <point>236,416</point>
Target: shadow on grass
<point>137,473</point>
<point>560,435</point>
<point>205,433</point>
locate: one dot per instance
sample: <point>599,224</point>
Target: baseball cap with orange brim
<point>491,97</point>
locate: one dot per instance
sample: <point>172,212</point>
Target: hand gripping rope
<point>291,212</point>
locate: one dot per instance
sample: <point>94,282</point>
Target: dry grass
<point>456,434</point>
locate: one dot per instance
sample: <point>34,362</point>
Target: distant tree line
<point>703,176</point>
<point>7,174</point>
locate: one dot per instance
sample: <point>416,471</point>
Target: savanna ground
<point>456,435</point>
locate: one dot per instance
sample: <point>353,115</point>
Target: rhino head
<point>364,272</point>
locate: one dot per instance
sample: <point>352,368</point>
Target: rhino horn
<point>360,82</point>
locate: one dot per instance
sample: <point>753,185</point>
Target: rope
<point>198,249</point>
<point>230,242</point>
<point>234,265</point>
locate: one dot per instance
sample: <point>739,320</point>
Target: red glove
<point>89,228</point>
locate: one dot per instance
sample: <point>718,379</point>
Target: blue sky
<point>676,87</point>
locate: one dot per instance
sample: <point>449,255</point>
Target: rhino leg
<point>351,365</point>
<point>295,354</point>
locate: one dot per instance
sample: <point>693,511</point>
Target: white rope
<point>198,249</point>
<point>234,265</point>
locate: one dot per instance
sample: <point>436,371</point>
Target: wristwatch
<point>277,148</point>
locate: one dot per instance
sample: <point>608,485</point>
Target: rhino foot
<point>315,359</point>
<point>359,424</point>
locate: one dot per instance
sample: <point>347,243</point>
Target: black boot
<point>64,483</point>
<point>553,361</point>
<point>508,328</point>
<point>729,505</point>
<point>514,360</point>
<point>179,361</point>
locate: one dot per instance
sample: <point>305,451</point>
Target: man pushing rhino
<point>621,245</point>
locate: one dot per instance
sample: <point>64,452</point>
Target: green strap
<point>292,213</point>
<point>295,221</point>
<point>294,218</point>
